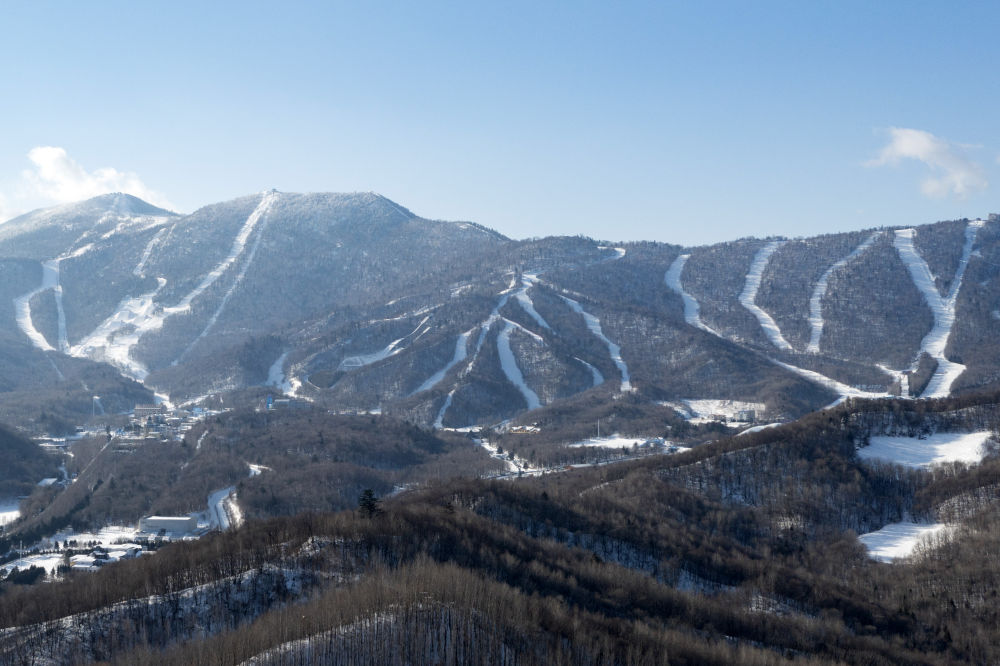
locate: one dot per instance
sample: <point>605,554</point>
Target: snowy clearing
<point>943,307</point>
<point>9,511</point>
<point>692,313</point>
<point>701,411</point>
<point>594,325</point>
<point>619,252</point>
<point>815,301</point>
<point>439,421</point>
<point>898,539</point>
<point>749,295</point>
<point>941,447</point>
<point>615,441</point>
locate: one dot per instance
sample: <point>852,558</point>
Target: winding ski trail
<point>461,352</point>
<point>692,311</point>
<point>528,280</point>
<point>749,296</point>
<point>816,322</point>
<point>614,351</point>
<point>935,342</point>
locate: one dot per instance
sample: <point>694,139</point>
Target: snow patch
<point>898,540</point>
<point>598,377</point>
<point>942,447</point>
<point>9,511</point>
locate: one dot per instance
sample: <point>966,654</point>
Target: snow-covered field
<point>940,447</point>
<point>749,296</point>
<point>702,411</point>
<point>9,511</point>
<point>897,539</point>
<point>615,441</point>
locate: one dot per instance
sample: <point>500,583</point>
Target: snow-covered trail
<point>619,252</point>
<point>461,352</point>
<point>261,213</point>
<point>841,389</point>
<point>439,421</point>
<point>598,377</point>
<point>50,280</point>
<point>148,251</point>
<point>816,322</point>
<point>943,307</point>
<point>692,312</point>
<point>509,365</point>
<point>391,349</point>
<point>22,307</point>
<point>143,315</point>
<point>749,296</point>
<point>528,281</point>
<point>614,351</point>
<point>223,512</point>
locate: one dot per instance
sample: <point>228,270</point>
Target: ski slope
<point>261,213</point>
<point>391,349</point>
<point>614,351</point>
<point>816,322</point>
<point>943,307</point>
<point>595,373</point>
<point>461,351</point>
<point>524,300</point>
<point>749,296</point>
<point>143,315</point>
<point>509,365</point>
<point>692,312</point>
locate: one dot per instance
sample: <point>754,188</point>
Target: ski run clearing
<point>749,296</point>
<point>898,540</point>
<point>943,307</point>
<point>692,313</point>
<point>614,351</point>
<point>942,447</point>
<point>816,300</point>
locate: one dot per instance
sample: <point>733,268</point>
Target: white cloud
<point>58,178</point>
<point>954,173</point>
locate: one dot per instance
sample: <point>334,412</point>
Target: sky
<point>679,122</point>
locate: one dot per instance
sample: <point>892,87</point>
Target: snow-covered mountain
<point>355,302</point>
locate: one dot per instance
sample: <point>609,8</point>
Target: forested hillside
<point>742,550</point>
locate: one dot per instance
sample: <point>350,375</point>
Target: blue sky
<point>679,122</point>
